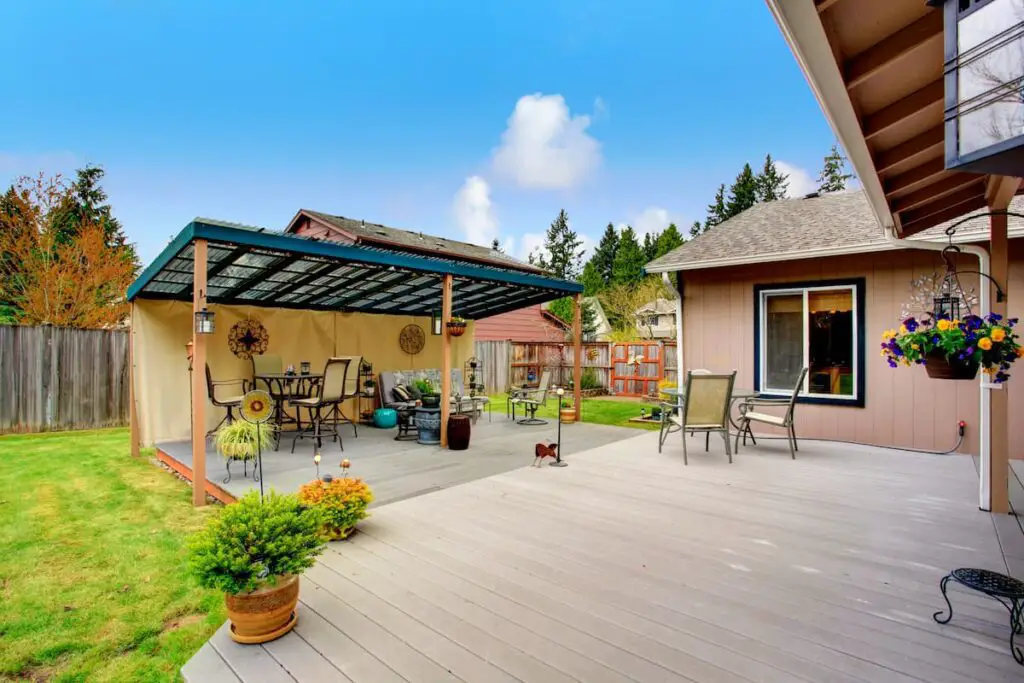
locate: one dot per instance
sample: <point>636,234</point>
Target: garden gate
<point>637,367</point>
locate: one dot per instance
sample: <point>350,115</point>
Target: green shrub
<point>589,379</point>
<point>237,441</point>
<point>425,386</point>
<point>342,502</point>
<point>249,544</point>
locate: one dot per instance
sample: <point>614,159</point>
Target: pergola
<point>211,262</point>
<point>879,70</point>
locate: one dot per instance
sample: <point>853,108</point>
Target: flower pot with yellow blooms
<point>955,349</point>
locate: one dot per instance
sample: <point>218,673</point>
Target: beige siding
<point>902,407</point>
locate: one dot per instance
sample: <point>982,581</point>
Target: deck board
<point>627,566</point>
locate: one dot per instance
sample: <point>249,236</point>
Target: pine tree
<point>629,259</point>
<point>833,175</point>
<point>604,256</point>
<point>743,193</point>
<point>696,229</point>
<point>650,246</point>
<point>564,255</point>
<point>669,240</point>
<point>591,279</point>
<point>564,309</point>
<point>87,204</point>
<point>496,246</point>
<point>717,210</point>
<point>771,184</point>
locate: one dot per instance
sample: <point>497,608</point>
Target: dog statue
<point>541,451</point>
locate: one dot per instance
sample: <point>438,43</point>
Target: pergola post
<point>446,356</point>
<point>133,413</point>
<point>577,363</point>
<point>198,378</point>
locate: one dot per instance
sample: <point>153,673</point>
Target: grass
<point>605,411</point>
<point>93,569</point>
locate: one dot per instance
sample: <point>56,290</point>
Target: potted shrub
<point>238,440</point>
<point>567,411</point>
<point>342,503</point>
<point>370,387</point>
<point>429,397</point>
<point>955,349</point>
<point>456,326</point>
<point>254,552</point>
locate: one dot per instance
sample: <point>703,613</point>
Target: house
<point>657,319</point>
<point>530,324</point>
<point>814,282</point>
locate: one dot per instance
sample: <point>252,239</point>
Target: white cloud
<point>545,146</point>
<point>530,242</point>
<point>474,211</point>
<point>800,181</point>
<point>654,220</point>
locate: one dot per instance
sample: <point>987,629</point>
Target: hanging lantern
<point>204,321</point>
<point>436,324</point>
<point>946,303</point>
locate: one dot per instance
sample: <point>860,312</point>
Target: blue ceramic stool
<point>385,418</point>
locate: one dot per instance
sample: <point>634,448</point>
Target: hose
<point>959,442</point>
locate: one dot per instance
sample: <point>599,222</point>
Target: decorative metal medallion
<point>257,406</point>
<point>248,338</point>
<point>412,339</point>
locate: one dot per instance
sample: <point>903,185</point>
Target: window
<point>817,326</point>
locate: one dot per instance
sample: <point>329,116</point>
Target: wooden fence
<point>54,378</point>
<point>512,363</point>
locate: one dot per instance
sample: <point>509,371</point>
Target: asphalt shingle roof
<point>787,228</point>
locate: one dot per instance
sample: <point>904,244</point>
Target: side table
<point>1007,590</point>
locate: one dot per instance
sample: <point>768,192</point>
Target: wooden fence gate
<point>637,367</point>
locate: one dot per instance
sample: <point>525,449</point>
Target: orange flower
<point>998,334</point>
<point>984,343</point>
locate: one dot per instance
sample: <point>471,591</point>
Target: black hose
<point>959,442</point>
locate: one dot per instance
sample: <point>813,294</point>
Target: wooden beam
<point>915,176</point>
<point>999,425</point>
<point>943,187</point>
<point>908,228</point>
<point>198,378</point>
<point>446,356</point>
<point>929,141</point>
<point>901,110</point>
<point>871,61</point>
<point>577,362</point>
<point>133,413</point>
<point>823,5</point>
<point>938,204</point>
<point>1000,190</point>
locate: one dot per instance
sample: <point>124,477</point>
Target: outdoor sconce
<point>204,321</point>
<point>436,324</point>
<point>984,85</point>
<point>304,367</point>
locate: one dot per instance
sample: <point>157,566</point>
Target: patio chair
<point>329,393</point>
<point>531,400</point>
<point>352,390</point>
<point>704,408</point>
<point>267,364</point>
<point>749,413</point>
<point>228,402</point>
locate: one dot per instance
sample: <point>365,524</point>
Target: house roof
<point>814,226</point>
<point>384,237</point>
<point>658,306</point>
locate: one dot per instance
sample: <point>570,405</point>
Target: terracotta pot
<point>939,367</point>
<point>456,329</point>
<point>567,415</point>
<point>264,614</point>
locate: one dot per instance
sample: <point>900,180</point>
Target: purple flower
<point>970,351</point>
<point>994,317</point>
<point>1001,377</point>
<point>911,324</point>
<point>892,363</point>
<point>973,322</point>
<point>1012,321</point>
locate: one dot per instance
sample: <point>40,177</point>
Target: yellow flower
<point>903,329</point>
<point>1020,352</point>
<point>984,343</point>
<point>943,325</point>
<point>998,334</point>
<point>955,323</point>
<point>916,347</point>
<point>992,370</point>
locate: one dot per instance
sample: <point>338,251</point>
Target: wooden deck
<point>628,566</point>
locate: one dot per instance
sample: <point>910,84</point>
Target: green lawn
<point>598,410</point>
<point>92,568</point>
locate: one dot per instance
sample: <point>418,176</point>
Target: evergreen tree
<point>696,229</point>
<point>833,175</point>
<point>496,246</point>
<point>629,259</point>
<point>604,256</point>
<point>563,246</point>
<point>650,246</point>
<point>717,210</point>
<point>668,240</point>
<point>591,279</point>
<point>771,183</point>
<point>86,204</point>
<point>564,309</point>
<point>743,193</point>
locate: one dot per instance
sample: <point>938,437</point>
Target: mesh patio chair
<point>531,400</point>
<point>352,390</point>
<point>229,402</point>
<point>267,364</point>
<point>704,408</point>
<point>329,393</point>
<point>749,413</point>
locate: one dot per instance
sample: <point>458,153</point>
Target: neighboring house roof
<point>661,306</point>
<point>601,325</point>
<point>530,324</point>
<point>384,237</point>
<point>813,226</point>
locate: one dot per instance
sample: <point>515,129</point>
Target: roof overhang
<point>256,268</point>
<point>875,67</point>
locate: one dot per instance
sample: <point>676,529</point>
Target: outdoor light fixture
<point>204,321</point>
<point>316,460</point>
<point>984,85</point>
<point>304,367</point>
<point>436,324</point>
<point>558,462</point>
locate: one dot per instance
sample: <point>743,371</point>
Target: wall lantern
<point>436,324</point>
<point>204,321</point>
<point>984,85</point>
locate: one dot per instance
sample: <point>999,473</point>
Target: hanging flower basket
<point>939,366</point>
<point>954,348</point>
<point>456,327</point>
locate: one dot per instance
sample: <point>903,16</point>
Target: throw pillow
<point>415,392</point>
<point>401,394</point>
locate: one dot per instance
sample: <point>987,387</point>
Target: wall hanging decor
<point>411,339</point>
<point>248,338</point>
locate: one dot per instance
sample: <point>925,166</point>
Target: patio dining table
<point>283,386</point>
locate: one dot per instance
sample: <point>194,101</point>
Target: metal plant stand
<point>1007,590</point>
<point>245,469</point>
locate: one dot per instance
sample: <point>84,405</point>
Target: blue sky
<point>459,118</point>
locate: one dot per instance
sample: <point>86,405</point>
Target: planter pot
<point>264,614</point>
<point>939,367</point>
<point>431,400</point>
<point>456,329</point>
<point>567,415</point>
<point>370,391</point>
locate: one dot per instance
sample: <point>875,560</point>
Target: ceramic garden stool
<point>458,432</point>
<point>385,418</point>
<point>1007,590</point>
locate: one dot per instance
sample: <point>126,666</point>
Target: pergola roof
<point>257,267</point>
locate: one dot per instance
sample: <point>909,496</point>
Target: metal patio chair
<point>352,390</point>
<point>703,408</point>
<point>749,413</point>
<point>329,393</point>
<point>531,400</point>
<point>227,402</point>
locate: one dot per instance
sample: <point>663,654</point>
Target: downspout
<point>985,386</point>
<point>667,279</point>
